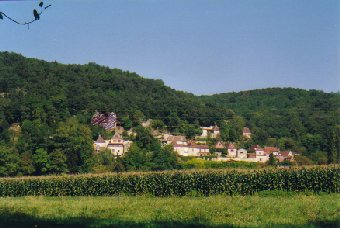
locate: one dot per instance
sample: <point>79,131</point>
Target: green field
<point>270,208</point>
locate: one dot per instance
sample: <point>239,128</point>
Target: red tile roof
<point>246,130</point>
<point>219,145</point>
<point>200,146</point>
<point>216,128</point>
<point>100,139</point>
<point>269,150</point>
<point>117,136</point>
<point>231,146</point>
<point>176,138</point>
<point>285,153</point>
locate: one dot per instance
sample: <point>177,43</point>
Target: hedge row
<point>175,183</point>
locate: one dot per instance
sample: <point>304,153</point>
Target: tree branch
<point>2,14</point>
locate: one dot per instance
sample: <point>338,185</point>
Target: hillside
<point>52,92</point>
<point>281,112</point>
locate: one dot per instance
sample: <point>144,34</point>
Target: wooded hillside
<point>50,93</point>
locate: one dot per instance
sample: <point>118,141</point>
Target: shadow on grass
<point>24,220</point>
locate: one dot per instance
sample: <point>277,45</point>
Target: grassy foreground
<point>263,209</point>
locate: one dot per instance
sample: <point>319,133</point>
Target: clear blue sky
<point>199,46</point>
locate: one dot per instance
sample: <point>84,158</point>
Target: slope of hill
<point>279,110</point>
<point>34,89</point>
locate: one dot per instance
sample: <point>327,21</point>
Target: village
<point>197,147</point>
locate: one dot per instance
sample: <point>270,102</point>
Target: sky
<point>198,46</point>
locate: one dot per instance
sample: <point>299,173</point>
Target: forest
<point>46,107</point>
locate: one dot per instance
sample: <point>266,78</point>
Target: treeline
<point>47,98</point>
<point>39,150</point>
<point>291,119</point>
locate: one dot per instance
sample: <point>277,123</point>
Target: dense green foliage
<point>53,103</point>
<point>176,183</point>
<point>289,118</point>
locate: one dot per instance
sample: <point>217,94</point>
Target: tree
<point>4,134</point>
<point>145,140</point>
<point>319,157</point>
<point>75,141</point>
<point>272,160</point>
<point>312,142</point>
<point>41,161</point>
<point>57,161</point>
<point>34,135</point>
<point>9,162</point>
<point>118,165</point>
<point>286,143</point>
<point>333,145</point>
<point>173,121</point>
<point>189,130</point>
<point>126,122</point>
<point>302,160</point>
<point>103,161</point>
<point>26,163</point>
<point>165,159</point>
<point>158,125</point>
<point>137,118</point>
<point>137,158</point>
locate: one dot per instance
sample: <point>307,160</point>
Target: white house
<point>117,145</point>
<point>100,143</point>
<point>178,139</point>
<point>191,149</point>
<point>242,153</point>
<point>232,151</point>
<point>261,156</point>
<point>285,155</point>
<point>212,131</point>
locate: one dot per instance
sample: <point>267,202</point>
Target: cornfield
<point>176,183</point>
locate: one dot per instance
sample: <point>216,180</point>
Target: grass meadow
<point>264,209</point>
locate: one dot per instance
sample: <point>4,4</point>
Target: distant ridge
<point>50,91</point>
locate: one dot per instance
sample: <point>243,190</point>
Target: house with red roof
<point>191,149</point>
<point>260,155</point>
<point>212,132</point>
<point>285,155</point>
<point>232,151</point>
<point>176,139</point>
<point>271,150</point>
<point>242,153</point>
<point>117,145</point>
<point>220,145</point>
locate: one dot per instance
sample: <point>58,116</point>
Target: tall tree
<point>9,162</point>
<point>333,145</point>
<point>74,140</point>
<point>41,161</point>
